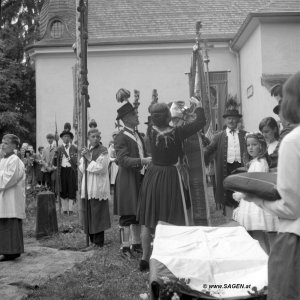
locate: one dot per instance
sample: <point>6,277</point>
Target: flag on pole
<point>194,146</point>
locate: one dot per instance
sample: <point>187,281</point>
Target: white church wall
<point>54,93</point>
<point>260,104</point>
<point>280,48</point>
<point>161,67</point>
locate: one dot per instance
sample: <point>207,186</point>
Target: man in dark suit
<point>228,148</point>
<point>66,162</point>
<point>131,158</point>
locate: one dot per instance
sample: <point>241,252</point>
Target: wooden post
<point>206,61</point>
<point>83,30</point>
<point>77,117</point>
<point>57,178</point>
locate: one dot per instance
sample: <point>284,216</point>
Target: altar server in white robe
<point>98,187</point>
<point>12,200</point>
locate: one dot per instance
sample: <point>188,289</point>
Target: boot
<point>125,244</point>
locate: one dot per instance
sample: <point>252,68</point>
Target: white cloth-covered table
<point>209,256</point>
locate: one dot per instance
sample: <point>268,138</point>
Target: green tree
<point>19,28</point>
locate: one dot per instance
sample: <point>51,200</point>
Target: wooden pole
<point>57,178</point>
<point>78,110</point>
<point>83,11</point>
<point>197,172</point>
<point>206,61</point>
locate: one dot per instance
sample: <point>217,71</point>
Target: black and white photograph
<point>150,149</point>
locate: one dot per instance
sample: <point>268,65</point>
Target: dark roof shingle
<point>281,6</point>
<point>157,20</point>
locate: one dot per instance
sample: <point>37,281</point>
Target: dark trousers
<point>229,200</point>
<point>50,182</point>
<point>68,183</point>
<point>128,220</point>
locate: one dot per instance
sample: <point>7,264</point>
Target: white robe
<point>98,185</point>
<point>12,188</point>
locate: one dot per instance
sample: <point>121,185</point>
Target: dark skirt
<point>98,215</point>
<point>11,236</point>
<point>284,268</point>
<point>160,197</point>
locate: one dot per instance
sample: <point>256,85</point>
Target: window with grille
<point>57,29</point>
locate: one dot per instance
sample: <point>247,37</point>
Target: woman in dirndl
<point>284,259</point>
<point>161,196</point>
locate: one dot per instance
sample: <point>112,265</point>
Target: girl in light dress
<point>260,224</point>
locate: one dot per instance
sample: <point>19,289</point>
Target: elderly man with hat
<point>228,148</point>
<point>276,92</point>
<point>131,159</point>
<point>66,161</point>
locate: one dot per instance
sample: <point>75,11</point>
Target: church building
<point>146,45</point>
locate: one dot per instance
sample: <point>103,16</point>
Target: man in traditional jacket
<point>47,162</point>
<point>131,158</point>
<point>66,162</point>
<point>228,148</point>
<point>12,200</point>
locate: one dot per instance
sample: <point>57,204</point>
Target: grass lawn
<point>103,276</point>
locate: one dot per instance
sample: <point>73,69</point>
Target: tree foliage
<point>19,28</point>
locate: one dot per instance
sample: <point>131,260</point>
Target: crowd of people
<point>38,165</point>
<point>143,176</point>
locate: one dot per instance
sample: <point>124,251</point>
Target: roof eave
<point>137,41</point>
<point>253,19</point>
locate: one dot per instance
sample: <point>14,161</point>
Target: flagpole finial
<point>198,27</point>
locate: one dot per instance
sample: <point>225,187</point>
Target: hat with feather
<point>67,131</point>
<point>231,108</point>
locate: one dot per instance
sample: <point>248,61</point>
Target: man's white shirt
<point>65,161</point>
<point>233,148</point>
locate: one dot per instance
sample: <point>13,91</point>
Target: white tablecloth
<point>212,256</point>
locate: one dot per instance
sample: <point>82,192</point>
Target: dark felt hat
<point>67,132</point>
<point>232,113</point>
<point>276,109</point>
<point>276,90</point>
<point>124,110</point>
<point>50,136</point>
